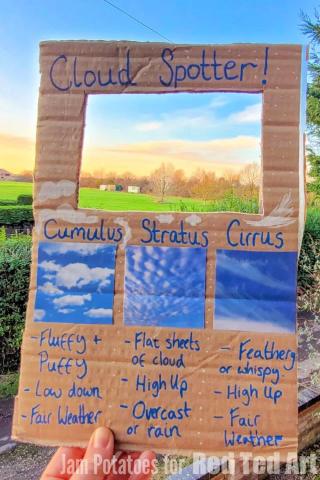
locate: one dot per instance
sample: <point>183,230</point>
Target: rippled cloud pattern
<point>165,287</point>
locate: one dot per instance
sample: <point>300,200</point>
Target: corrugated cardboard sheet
<point>170,389</point>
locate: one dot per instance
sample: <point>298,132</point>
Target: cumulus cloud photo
<point>75,283</point>
<point>165,287</point>
<point>255,291</point>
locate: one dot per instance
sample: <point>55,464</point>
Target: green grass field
<point>11,190</point>
<point>122,201</point>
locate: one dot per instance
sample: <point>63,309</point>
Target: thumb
<point>99,452</point>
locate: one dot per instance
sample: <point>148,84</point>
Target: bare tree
<point>162,180</point>
<point>231,178</point>
<point>250,178</point>
<point>204,185</point>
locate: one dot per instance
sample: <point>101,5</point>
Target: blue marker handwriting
<point>77,78</point>
<point>154,234</point>
<point>155,386</point>
<point>252,439</point>
<point>65,341</point>
<point>210,67</point>
<point>52,231</point>
<point>81,417</point>
<point>140,410</point>
<point>62,365</point>
<point>173,341</point>
<point>268,352</point>
<point>239,238</point>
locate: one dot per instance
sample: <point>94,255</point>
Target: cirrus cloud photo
<point>255,291</point>
<point>75,283</point>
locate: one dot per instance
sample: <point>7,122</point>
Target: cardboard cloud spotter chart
<point>177,330</point>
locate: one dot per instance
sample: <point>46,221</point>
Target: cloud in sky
<point>39,314</point>
<point>250,114</point>
<point>247,325</point>
<point>49,266</point>
<point>79,275</point>
<point>82,249</point>
<point>16,153</point>
<point>165,286</point>
<point>99,313</point>
<point>202,118</point>
<point>255,291</point>
<point>50,289</point>
<point>195,133</point>
<point>148,126</point>
<point>66,311</point>
<point>143,157</point>
<point>72,300</point>
<point>70,290</point>
<point>210,131</point>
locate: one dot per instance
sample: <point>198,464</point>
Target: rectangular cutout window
<point>172,153</point>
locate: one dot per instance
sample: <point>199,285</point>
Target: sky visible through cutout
<point>181,152</point>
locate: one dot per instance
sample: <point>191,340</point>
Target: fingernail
<point>102,437</point>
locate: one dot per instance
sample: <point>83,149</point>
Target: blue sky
<point>134,120</point>
<point>165,286</point>
<point>75,283</point>
<point>255,291</point>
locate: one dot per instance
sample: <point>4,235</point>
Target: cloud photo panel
<point>75,283</point>
<point>165,286</point>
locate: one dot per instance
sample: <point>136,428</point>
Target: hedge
<point>15,257</point>
<point>15,214</point>
<point>24,200</point>
<point>8,202</point>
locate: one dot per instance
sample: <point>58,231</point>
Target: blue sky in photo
<point>165,287</point>
<point>184,124</point>
<point>75,283</point>
<point>255,291</point>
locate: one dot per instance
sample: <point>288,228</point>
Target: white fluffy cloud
<point>50,289</point>
<point>73,275</point>
<point>79,275</point>
<point>49,266</point>
<point>53,190</point>
<point>71,300</point>
<point>39,314</point>
<point>148,126</point>
<point>99,312</point>
<point>250,114</point>
<point>82,249</point>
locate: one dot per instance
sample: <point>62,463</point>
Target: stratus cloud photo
<point>255,291</point>
<point>75,283</point>
<point>165,287</point>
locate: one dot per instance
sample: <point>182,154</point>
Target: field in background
<point>11,190</point>
<point>122,201</point>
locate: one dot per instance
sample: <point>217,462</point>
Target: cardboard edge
<point>302,153</point>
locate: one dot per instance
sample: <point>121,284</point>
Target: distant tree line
<point>170,181</point>
<point>167,180</point>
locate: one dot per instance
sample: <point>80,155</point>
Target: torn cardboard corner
<point>177,330</point>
